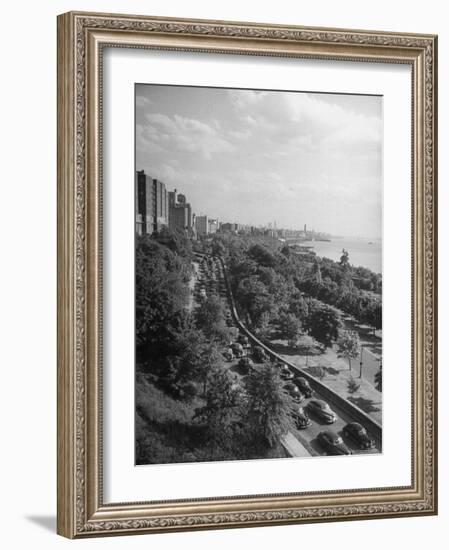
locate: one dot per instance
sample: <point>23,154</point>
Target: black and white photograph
<point>258,274</point>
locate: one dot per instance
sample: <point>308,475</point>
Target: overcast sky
<point>257,157</point>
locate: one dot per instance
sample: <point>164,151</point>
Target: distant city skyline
<point>259,157</point>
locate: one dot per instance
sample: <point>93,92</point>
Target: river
<point>362,252</point>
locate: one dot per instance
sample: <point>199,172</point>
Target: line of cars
<point>299,389</point>
<point>248,355</point>
<point>331,442</point>
<point>210,278</point>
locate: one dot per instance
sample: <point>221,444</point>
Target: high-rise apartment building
<point>144,204</point>
<point>180,212</point>
<point>152,212</point>
<point>201,225</point>
<point>161,200</point>
<point>212,226</point>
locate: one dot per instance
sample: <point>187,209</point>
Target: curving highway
<point>346,412</point>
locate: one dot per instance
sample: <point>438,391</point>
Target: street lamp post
<point>361,361</point>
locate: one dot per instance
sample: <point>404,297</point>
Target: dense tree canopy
<point>268,406</point>
<point>324,324</point>
<point>210,318</point>
<point>267,282</point>
<point>290,327</point>
<point>161,293</point>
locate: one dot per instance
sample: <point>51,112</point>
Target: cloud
<point>246,99</point>
<point>147,140</point>
<point>306,121</point>
<point>142,101</point>
<point>185,135</point>
<point>240,134</point>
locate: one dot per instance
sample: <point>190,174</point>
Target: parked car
<point>242,339</point>
<point>286,373</point>
<point>301,418</point>
<point>237,349</point>
<point>322,410</point>
<point>294,392</point>
<point>245,363</point>
<point>259,354</point>
<point>332,443</point>
<point>304,386</point>
<point>359,435</point>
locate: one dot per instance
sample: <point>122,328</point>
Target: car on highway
<point>294,392</point>
<point>332,443</point>
<point>359,435</point>
<point>259,354</point>
<point>301,418</point>
<point>285,372</point>
<point>322,410</point>
<point>237,349</point>
<point>304,386</point>
<point>242,339</point>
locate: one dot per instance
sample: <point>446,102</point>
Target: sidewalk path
<point>337,375</point>
<point>293,446</point>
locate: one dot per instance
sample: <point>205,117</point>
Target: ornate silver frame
<point>81,37</point>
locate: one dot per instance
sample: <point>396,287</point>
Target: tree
<point>262,255</point>
<point>161,296</point>
<point>233,333</point>
<point>210,318</point>
<point>298,305</point>
<point>253,297</point>
<point>185,360</point>
<point>175,240</point>
<point>224,402</point>
<point>210,355</point>
<point>268,406</point>
<point>378,379</point>
<point>285,250</point>
<point>348,345</point>
<point>344,259</point>
<point>324,323</point>
<point>290,327</point>
<point>317,271</point>
<point>262,329</point>
<point>218,248</point>
<point>277,286</point>
<point>353,386</point>
<point>373,314</point>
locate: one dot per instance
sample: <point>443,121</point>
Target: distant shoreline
<point>363,252</point>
